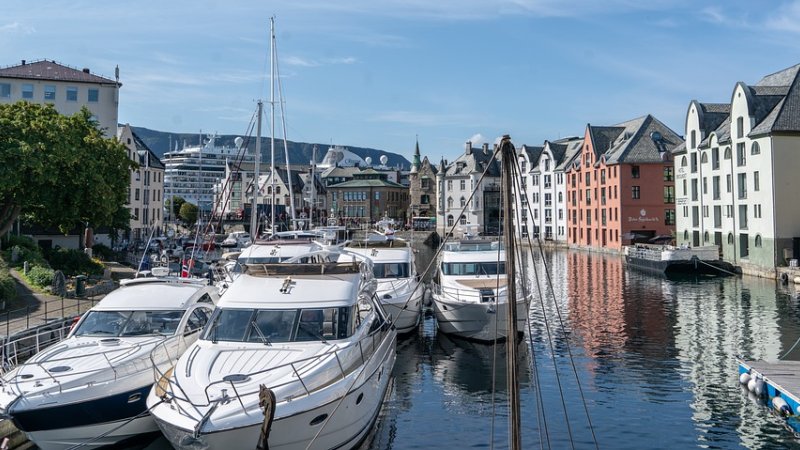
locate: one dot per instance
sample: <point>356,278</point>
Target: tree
<point>58,170</point>
<point>189,213</point>
<point>175,203</point>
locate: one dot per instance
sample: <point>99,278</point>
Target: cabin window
<point>477,268</point>
<point>129,323</point>
<point>391,270</point>
<point>278,325</point>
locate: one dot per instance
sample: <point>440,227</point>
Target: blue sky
<point>376,74</point>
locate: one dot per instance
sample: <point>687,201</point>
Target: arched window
<point>683,162</point>
<point>450,220</point>
<point>755,149</point>
<point>758,240</point>
<point>740,127</point>
<point>694,139</point>
<point>727,153</point>
<point>463,219</point>
<point>686,235</point>
<point>730,238</point>
<point>463,202</point>
<point>277,189</point>
<point>705,237</point>
<point>449,202</point>
<point>704,158</point>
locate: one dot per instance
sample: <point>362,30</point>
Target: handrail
<point>462,295</point>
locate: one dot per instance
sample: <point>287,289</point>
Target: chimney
<point>468,148</point>
<point>23,62</point>
<point>485,148</point>
<point>85,70</point>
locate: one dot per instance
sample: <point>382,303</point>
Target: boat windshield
<point>278,325</point>
<point>129,323</point>
<point>474,268</point>
<point>391,270</point>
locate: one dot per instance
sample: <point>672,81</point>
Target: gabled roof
<point>335,171</point>
<point>781,78</point>
<point>573,149</point>
<point>641,140</point>
<point>146,156</point>
<point>603,137</point>
<point>51,70</point>
<point>713,115</point>
<point>533,153</point>
<point>474,162</point>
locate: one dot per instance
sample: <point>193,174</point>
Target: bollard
<point>25,267</point>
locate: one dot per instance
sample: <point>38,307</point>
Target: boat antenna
<point>256,175</point>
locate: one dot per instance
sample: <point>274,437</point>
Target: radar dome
<point>368,160</point>
<point>384,159</point>
<point>238,141</point>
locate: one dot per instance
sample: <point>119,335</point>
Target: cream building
<point>67,88</point>
<point>146,191</point>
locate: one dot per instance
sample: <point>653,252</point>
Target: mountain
<point>299,152</point>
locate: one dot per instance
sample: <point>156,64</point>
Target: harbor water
<point>655,359</point>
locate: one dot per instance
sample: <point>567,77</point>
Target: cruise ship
<point>191,172</point>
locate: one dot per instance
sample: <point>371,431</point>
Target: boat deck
<point>781,378</point>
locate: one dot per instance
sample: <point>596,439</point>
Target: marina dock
<point>781,379</point>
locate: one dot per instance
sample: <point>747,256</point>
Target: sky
<point>384,73</point>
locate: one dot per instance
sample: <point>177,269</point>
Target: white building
<point>455,184</point>
<point>543,180</point>
<point>737,177</point>
<point>146,191</point>
<point>67,88</point>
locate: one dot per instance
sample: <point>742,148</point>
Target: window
<point>683,162</point>
<point>50,93</point>
<point>694,189</point>
<point>463,185</point>
<point>743,217</point>
<point>588,178</point>
<point>705,236</point>
<point>717,216</point>
<point>695,216</point>
<point>5,90</point>
<point>730,238</point>
<point>755,150</point>
<point>669,194</point>
<point>635,172</point>
<point>694,162</point>
<point>705,185</point>
<point>693,140</point>
<point>636,191</point>
<point>668,173</point>
<point>704,158</point>
<point>449,185</point>
<point>741,185</point>
<point>756,181</point>
<point>741,159</point>
<point>547,181</point>
<point>377,196</point>
<point>740,127</point>
<point>686,235</point>
<point>27,91</point>
<point>535,180</point>
<point>758,241</point>
<point>669,217</point>
<point>757,211</point>
<point>715,187</point>
<point>72,94</point>
<point>715,158</point>
<point>547,165</point>
<point>463,220</point>
<point>727,153</point>
<point>449,202</point>
<point>93,95</point>
<point>463,202</point>
<point>450,221</point>
<point>684,187</point>
<point>728,182</point>
<point>705,210</point>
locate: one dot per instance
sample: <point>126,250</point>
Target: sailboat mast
<point>256,175</point>
<point>272,118</point>
<point>508,158</point>
<point>313,185</point>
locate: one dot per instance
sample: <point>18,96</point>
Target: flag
<point>186,267</point>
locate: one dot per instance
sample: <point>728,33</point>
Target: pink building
<point>620,187</point>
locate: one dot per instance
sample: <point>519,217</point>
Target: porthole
<point>360,397</point>
<point>318,420</point>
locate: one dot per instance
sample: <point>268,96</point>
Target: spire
<point>415,163</point>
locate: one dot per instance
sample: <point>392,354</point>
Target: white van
<point>237,239</point>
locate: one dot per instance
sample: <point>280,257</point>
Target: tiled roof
<point>716,108</point>
<point>603,138</point>
<point>372,182</point>
<point>713,115</point>
<point>639,142</point>
<point>475,161</point>
<point>51,70</point>
<point>780,78</point>
<point>144,152</point>
<point>532,152</point>
<point>572,151</point>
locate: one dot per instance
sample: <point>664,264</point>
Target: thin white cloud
<point>16,28</point>
<point>477,139</point>
<point>297,61</point>
<point>787,18</point>
<point>714,14</point>
<point>419,119</point>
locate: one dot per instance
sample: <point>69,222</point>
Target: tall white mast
<point>256,175</point>
<point>272,118</point>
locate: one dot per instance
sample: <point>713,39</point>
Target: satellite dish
<point>368,160</point>
<point>384,159</point>
<point>238,141</point>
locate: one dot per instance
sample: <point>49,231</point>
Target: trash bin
<point>80,285</point>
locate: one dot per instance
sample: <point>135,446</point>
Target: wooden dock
<point>781,379</point>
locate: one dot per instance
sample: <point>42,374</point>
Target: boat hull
<point>692,266</point>
<point>484,322</point>
<point>344,423</point>
<point>405,310</point>
<point>93,435</point>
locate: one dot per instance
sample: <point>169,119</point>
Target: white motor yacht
<point>90,390</point>
<point>470,298</point>
<point>398,287</point>
<point>310,330</point>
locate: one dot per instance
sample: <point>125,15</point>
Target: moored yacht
<point>398,288</point>
<point>309,329</point>
<point>90,390</point>
<point>470,298</point>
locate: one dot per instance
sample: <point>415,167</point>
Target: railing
<point>470,295</point>
<point>68,308</point>
<point>348,360</point>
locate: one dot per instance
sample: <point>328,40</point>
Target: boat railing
<point>396,286</point>
<point>348,360</point>
<point>645,252</point>
<point>469,295</point>
<point>58,370</point>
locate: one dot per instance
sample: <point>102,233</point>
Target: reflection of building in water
<point>716,320</point>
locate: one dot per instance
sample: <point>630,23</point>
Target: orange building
<point>620,187</point>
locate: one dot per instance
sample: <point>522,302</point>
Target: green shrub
<point>32,255</point>
<point>103,252</point>
<point>8,289</point>
<point>74,262</point>
<point>40,276</point>
<point>22,241</point>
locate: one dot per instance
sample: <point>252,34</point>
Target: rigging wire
<point>561,324</point>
